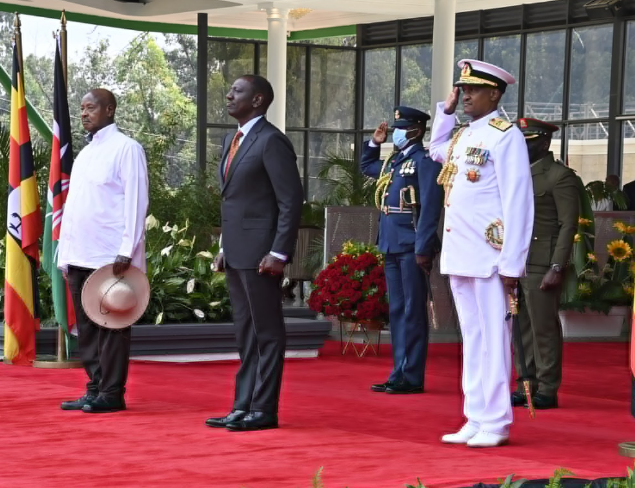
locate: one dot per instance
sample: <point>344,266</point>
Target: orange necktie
<point>232,152</point>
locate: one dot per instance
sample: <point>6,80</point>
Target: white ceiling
<point>248,14</point>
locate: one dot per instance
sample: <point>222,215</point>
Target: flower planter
<point>595,324</point>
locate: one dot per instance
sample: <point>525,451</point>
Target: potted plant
<point>597,299</point>
<point>352,287</point>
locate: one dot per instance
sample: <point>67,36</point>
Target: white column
<point>277,64</point>
<point>442,51</point>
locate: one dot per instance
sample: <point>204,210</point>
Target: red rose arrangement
<point>352,286</point>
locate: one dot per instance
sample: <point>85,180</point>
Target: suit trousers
<point>104,353</point>
<point>407,293</point>
<point>482,308</point>
<point>541,334</point>
<point>261,337</point>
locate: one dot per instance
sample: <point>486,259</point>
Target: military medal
<point>473,175</point>
<point>477,156</point>
<point>407,168</point>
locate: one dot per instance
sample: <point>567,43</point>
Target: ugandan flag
<point>59,178</point>
<point>24,228</point>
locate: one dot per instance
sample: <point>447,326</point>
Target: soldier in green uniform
<point>556,210</point>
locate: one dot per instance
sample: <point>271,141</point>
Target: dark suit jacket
<point>629,190</point>
<point>556,210</point>
<point>262,197</point>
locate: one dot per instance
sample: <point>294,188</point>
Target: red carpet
<point>328,418</point>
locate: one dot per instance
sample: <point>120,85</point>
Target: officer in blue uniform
<point>410,201</point>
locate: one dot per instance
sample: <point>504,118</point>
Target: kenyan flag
<point>59,178</point>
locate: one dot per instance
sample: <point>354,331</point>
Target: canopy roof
<point>181,15</point>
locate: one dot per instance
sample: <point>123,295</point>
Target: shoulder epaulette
<point>500,124</point>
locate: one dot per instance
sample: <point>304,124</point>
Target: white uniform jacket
<point>502,189</point>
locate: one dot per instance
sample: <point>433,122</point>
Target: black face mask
<point>537,148</point>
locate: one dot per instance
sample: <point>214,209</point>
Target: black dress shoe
<point>102,405</point>
<point>404,388</point>
<point>381,387</point>
<point>79,403</point>
<point>233,416</point>
<point>254,421</point>
<point>519,399</point>
<point>544,402</point>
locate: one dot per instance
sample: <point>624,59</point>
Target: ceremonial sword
<point>513,312</point>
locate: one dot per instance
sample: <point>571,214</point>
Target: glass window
<point>544,87</point>
<point>587,150</point>
<point>628,152</point>
<point>505,53</point>
<point>416,76</point>
<point>462,50</point>
<point>590,72</point>
<point>321,146</point>
<point>332,88</point>
<point>379,86</point>
<point>629,70</point>
<point>296,76</point>
<point>226,62</point>
<point>297,139</point>
<point>215,137</point>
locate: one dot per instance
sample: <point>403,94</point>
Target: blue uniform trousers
<point>407,292</point>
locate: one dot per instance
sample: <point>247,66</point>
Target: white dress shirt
<point>245,130</point>
<point>504,191</point>
<point>107,202</point>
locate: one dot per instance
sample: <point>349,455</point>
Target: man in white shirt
<point>104,223</point>
<point>489,210</point>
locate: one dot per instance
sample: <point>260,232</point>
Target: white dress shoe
<point>462,436</point>
<point>487,439</point>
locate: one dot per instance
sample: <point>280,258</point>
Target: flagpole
<point>61,361</point>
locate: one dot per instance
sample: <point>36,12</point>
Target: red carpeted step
<point>329,418</point>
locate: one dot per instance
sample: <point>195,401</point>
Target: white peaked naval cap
<point>475,72</point>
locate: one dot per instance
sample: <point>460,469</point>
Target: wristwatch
<point>556,267</point>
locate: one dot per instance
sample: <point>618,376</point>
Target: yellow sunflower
<point>628,289</point>
<point>629,229</point>
<point>577,238</point>
<point>584,289</point>
<point>632,268</point>
<point>620,227</point>
<point>591,257</point>
<point>619,250</point>
<point>582,221</point>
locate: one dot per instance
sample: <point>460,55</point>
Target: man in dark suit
<point>629,191</point>
<point>261,207</point>
<point>409,199</point>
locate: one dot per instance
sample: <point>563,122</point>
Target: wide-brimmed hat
<point>115,302</point>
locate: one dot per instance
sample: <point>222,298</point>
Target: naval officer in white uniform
<point>487,230</point>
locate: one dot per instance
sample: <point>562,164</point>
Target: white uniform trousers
<point>482,307</point>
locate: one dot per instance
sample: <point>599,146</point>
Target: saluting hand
<point>381,134</point>
<point>452,101</point>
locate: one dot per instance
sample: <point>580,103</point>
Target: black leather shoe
<point>404,388</point>
<point>544,402</point>
<point>233,416</point>
<point>519,399</point>
<point>254,421</point>
<point>79,403</point>
<point>102,405</point>
<point>380,387</point>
